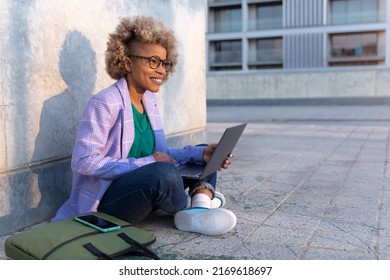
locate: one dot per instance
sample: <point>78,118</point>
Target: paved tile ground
<point>307,183</point>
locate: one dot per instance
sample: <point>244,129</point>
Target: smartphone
<point>97,222</point>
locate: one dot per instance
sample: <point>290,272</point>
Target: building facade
<point>294,49</point>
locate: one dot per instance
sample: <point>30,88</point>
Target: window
<point>226,19</point>
<point>250,35</point>
<point>354,11</point>
<point>266,53</point>
<point>266,15</point>
<point>357,49</point>
<point>225,55</point>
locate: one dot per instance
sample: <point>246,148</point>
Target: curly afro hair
<point>140,29</point>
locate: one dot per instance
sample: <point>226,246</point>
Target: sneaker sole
<point>209,222</point>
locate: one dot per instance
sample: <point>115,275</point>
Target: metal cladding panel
<point>303,50</point>
<point>302,13</point>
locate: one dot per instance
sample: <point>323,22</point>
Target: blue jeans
<point>135,195</point>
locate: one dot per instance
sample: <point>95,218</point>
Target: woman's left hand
<point>209,150</point>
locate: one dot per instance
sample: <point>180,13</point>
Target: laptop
<point>225,146</point>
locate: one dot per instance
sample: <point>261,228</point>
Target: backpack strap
<point>143,250</point>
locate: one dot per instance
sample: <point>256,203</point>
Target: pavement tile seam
<point>331,254</point>
<point>343,241</point>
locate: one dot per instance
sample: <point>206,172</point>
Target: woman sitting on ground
<point>121,164</point>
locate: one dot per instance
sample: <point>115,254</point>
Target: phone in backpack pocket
<point>97,222</point>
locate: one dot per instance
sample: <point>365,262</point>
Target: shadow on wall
<point>59,121</point>
<point>61,113</point>
<point>35,196</point>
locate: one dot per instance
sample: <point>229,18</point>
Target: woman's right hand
<point>160,156</point>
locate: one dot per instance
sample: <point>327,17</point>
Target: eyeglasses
<point>155,61</point>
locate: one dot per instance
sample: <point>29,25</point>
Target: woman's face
<point>142,77</point>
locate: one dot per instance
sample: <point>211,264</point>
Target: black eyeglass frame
<point>164,62</point>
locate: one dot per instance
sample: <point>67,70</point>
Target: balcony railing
<point>228,26</point>
<point>265,56</point>
<point>357,17</point>
<point>226,57</point>
<point>265,24</point>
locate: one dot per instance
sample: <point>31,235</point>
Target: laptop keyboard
<point>190,169</point>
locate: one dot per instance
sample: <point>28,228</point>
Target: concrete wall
<point>51,63</point>
<point>300,85</point>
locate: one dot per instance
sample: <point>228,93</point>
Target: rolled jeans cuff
<point>203,185</point>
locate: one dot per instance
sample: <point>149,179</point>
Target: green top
<point>143,144</point>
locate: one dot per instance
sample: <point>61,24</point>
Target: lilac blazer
<point>104,138</point>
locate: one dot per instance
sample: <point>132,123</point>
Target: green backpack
<point>69,239</point>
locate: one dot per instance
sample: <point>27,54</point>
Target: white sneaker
<point>206,221</point>
<point>218,201</point>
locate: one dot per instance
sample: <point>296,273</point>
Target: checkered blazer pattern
<point>104,138</point>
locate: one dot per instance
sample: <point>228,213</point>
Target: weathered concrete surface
<point>310,84</point>
<point>307,183</point>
